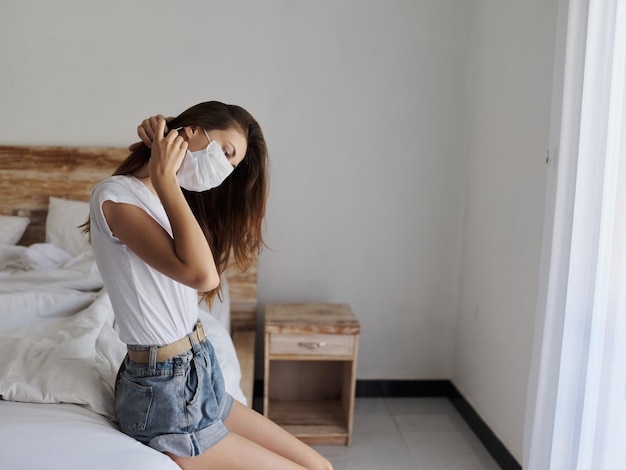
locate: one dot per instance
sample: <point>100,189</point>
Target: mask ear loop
<point>207,135</point>
<point>203,130</point>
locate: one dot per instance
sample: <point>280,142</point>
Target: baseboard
<point>494,446</point>
<point>404,388</point>
<point>434,388</point>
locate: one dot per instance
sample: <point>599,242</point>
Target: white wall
<point>362,104</point>
<point>407,141</point>
<point>509,88</point>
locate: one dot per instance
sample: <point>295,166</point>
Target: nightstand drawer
<point>311,345</point>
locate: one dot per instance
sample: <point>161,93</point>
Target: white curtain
<point>576,414</point>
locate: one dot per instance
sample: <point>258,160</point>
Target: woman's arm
<point>186,257</point>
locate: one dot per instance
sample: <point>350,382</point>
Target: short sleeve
<point>112,189</point>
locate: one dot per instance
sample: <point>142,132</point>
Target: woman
<point>157,245</point>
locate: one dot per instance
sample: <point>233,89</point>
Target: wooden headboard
<point>30,175</point>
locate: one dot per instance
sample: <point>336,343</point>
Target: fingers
<point>173,137</point>
<point>144,137</point>
<point>148,129</point>
<point>159,132</point>
<point>169,149</point>
<point>178,144</point>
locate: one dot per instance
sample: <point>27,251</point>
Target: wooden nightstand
<point>310,370</point>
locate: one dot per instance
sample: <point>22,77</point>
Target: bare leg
<point>248,423</point>
<point>254,442</point>
<point>237,453</point>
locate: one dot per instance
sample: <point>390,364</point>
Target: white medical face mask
<point>204,169</point>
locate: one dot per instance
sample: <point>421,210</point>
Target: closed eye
<point>230,151</point>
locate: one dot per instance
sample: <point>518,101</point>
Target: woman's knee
<point>324,464</point>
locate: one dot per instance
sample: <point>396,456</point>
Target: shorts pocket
<point>193,380</point>
<point>132,405</point>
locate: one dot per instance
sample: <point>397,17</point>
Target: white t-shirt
<point>150,308</point>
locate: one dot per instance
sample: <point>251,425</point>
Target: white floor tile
<point>372,451</point>
<point>426,415</point>
<point>445,451</point>
<point>374,423</point>
<point>411,434</point>
<point>371,406</point>
<point>427,423</point>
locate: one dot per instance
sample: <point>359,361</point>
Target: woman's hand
<point>147,130</point>
<point>167,153</point>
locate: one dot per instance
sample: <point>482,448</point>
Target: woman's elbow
<point>205,282</point>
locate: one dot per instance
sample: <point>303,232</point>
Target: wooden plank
<point>243,296</point>
<point>314,422</point>
<point>311,318</point>
<point>308,413</point>
<point>29,176</point>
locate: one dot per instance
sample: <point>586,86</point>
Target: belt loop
<point>194,344</point>
<point>153,356</point>
<point>200,330</point>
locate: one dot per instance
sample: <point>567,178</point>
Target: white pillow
<point>12,228</point>
<point>64,218</point>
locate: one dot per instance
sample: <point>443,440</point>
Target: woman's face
<point>232,142</point>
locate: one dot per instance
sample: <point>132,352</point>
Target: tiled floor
<point>409,434</point>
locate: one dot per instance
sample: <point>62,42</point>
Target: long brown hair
<point>231,215</point>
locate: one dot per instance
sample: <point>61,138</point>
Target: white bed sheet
<point>60,353</point>
<point>66,436</point>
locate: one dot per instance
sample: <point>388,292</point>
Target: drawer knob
<point>312,345</point>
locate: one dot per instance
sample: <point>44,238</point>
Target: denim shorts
<point>178,405</point>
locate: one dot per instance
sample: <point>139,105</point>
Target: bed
<point>58,340</point>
